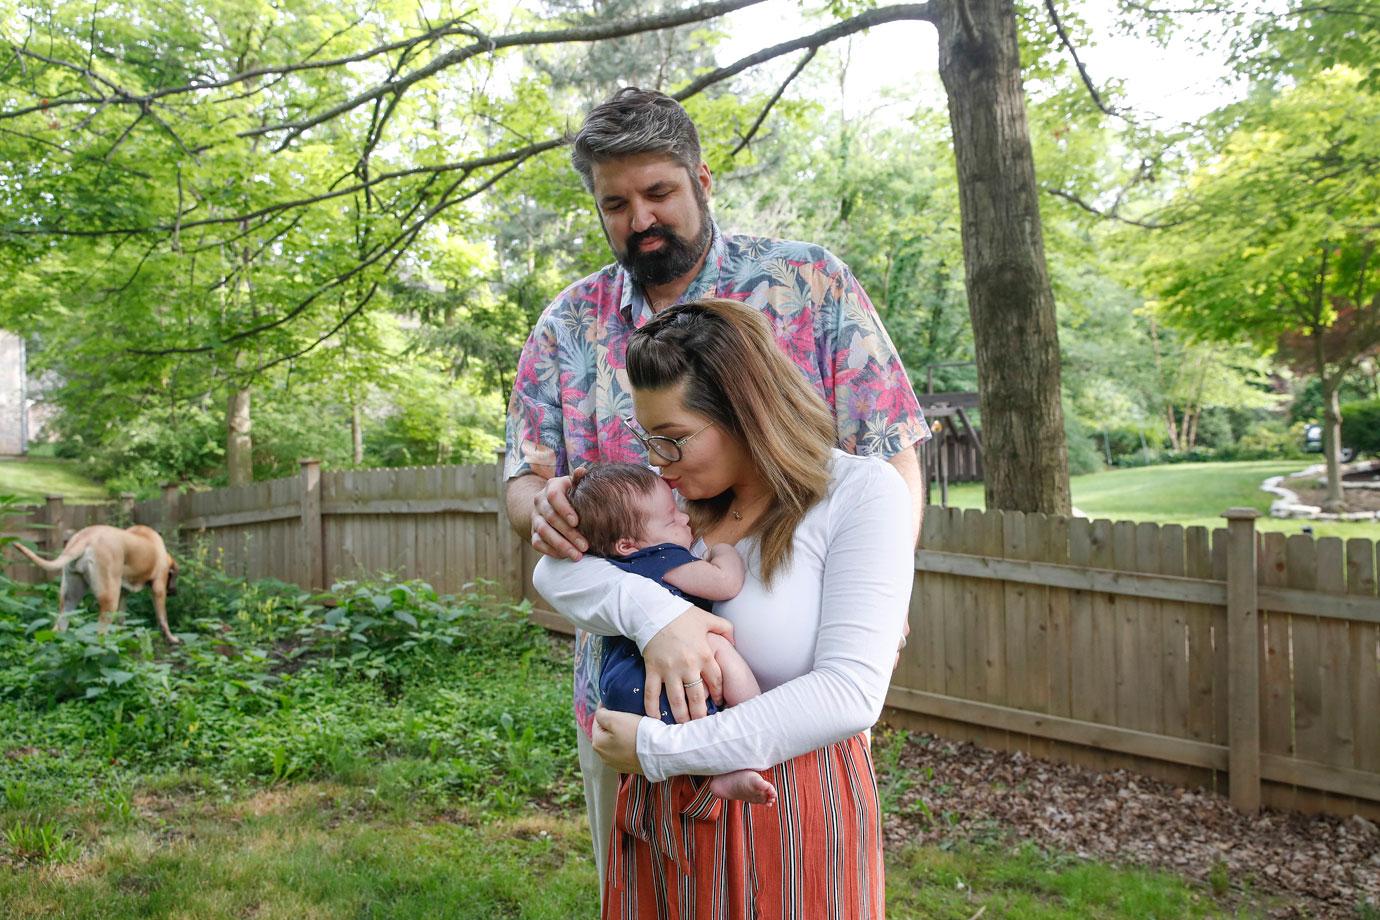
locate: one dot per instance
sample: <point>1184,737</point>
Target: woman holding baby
<point>827,537</point>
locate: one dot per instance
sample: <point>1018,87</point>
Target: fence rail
<point>1245,662</point>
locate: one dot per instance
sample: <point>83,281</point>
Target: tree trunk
<point>1173,428</point>
<point>1335,503</point>
<point>238,445</point>
<point>1025,458</point>
<point>357,434</point>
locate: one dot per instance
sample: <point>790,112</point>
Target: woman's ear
<point>626,546</point>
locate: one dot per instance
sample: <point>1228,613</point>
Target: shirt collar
<point>633,303</point>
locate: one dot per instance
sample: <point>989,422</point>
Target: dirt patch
<point>1322,866</point>
<point>1312,491</point>
<point>277,800</point>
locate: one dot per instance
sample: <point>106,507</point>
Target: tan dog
<point>105,559</point>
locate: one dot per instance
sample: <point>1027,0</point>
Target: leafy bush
<point>1215,430</point>
<point>1267,441</point>
<point>455,696</point>
<point>1134,445</point>
<point>1084,455</point>
<point>1361,426</point>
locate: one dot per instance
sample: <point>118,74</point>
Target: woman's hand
<point>681,661</point>
<point>615,739</point>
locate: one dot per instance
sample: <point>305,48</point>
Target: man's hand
<point>680,660</point>
<point>554,520</point>
<point>614,736</point>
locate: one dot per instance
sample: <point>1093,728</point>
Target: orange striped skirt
<point>680,853</point>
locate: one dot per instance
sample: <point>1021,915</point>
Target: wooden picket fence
<point>1244,662</point>
<point>1241,661</point>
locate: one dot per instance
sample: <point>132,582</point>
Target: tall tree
<point>1276,236</point>
<point>1025,458</point>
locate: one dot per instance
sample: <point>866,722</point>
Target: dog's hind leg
<point>108,600</point>
<point>69,597</point>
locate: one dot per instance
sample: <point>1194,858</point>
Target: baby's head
<point>623,507</point>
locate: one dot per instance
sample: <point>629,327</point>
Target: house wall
<point>13,411</point>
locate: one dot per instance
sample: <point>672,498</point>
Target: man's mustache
<point>651,233</point>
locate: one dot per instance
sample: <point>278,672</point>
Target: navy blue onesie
<point>622,675</point>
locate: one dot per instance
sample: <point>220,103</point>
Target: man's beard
<point>675,258</point>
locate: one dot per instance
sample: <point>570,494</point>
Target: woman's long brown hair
<point>735,374</point>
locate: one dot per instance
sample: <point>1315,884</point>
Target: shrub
<point>274,684</point>
<point>1215,431</point>
<point>1135,445</point>
<point>1267,441</point>
<point>1361,426</point>
<point>1084,454</point>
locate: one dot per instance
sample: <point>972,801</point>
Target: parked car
<point>1313,444</point>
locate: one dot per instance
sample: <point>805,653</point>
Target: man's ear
<point>705,178</point>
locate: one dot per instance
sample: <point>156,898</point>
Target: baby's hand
<point>726,558</point>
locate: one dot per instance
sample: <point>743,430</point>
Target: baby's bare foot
<point>744,786</point>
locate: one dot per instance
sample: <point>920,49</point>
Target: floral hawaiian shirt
<point>571,389</point>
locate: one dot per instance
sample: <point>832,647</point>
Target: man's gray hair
<point>635,121</point>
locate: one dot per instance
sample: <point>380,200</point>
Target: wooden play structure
<point>954,453</point>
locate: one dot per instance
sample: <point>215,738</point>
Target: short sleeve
<point>875,409</point>
<point>535,437</point>
<point>655,561</point>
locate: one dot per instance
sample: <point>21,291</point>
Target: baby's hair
<point>603,503</point>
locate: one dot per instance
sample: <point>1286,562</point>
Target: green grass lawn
<point>1183,493</point>
<point>34,478</point>
<point>330,850</point>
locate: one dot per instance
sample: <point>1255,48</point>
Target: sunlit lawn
<point>328,850</point>
<point>1183,493</point>
<point>34,478</point>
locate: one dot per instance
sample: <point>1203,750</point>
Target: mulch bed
<point>1317,865</point>
<point>1310,493</point>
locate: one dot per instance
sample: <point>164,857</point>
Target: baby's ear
<point>625,547</point>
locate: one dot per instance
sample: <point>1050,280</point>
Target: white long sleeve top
<point>821,641</point>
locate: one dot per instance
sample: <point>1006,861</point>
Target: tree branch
<point>578,34</point>
<point>521,153</point>
<point>762,116</point>
<point>900,12</point>
<point>397,245</point>
<point>1073,53</point>
<point>1212,10</point>
<point>1111,214</point>
<point>124,97</point>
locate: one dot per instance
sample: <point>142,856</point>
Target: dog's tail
<point>56,565</point>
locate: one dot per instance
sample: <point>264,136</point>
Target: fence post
<point>54,519</point>
<point>127,508</point>
<point>172,512</point>
<point>510,545</point>
<point>313,540</point>
<point>1243,660</point>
